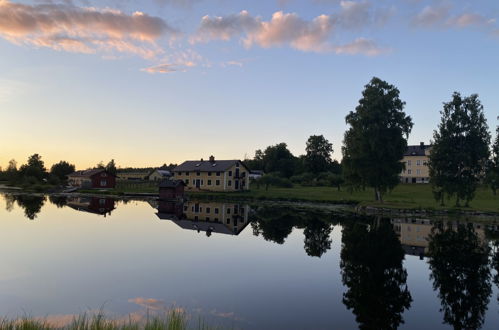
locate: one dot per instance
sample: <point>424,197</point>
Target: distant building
<point>96,178</point>
<point>171,190</point>
<point>208,217</point>
<point>256,174</point>
<point>416,164</point>
<point>213,175</point>
<point>158,175</point>
<point>133,176</point>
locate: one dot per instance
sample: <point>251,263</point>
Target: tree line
<point>461,157</point>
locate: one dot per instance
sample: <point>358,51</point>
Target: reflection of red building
<point>96,178</point>
<point>171,190</point>
<point>170,210</point>
<point>96,205</point>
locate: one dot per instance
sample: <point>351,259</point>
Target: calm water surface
<point>242,267</point>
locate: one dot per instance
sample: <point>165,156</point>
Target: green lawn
<point>405,196</point>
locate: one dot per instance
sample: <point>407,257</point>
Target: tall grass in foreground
<point>173,320</point>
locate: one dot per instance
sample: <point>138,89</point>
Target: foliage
<point>111,167</point>
<point>493,165</point>
<point>318,154</point>
<point>273,179</point>
<point>35,168</point>
<point>375,143</point>
<point>461,273</point>
<point>61,170</point>
<point>373,272</point>
<point>460,149</point>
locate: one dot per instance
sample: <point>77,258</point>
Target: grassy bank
<point>404,196</point>
<point>173,320</point>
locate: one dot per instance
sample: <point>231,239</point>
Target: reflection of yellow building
<point>416,164</point>
<point>224,218</point>
<point>414,234</point>
<point>213,175</point>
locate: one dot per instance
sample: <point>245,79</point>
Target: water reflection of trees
<point>460,270</point>
<point>372,270</point>
<point>59,201</point>
<point>276,223</point>
<point>32,204</point>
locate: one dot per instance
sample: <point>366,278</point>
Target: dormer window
<point>197,165</point>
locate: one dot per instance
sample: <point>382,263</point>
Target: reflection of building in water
<point>96,205</point>
<point>209,217</point>
<point>414,234</point>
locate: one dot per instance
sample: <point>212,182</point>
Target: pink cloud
<point>83,30</point>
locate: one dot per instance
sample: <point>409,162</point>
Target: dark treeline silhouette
<point>31,204</point>
<point>283,169</point>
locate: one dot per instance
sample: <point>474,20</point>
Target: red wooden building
<point>96,178</point>
<point>171,190</point>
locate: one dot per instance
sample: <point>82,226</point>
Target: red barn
<point>96,178</point>
<point>171,190</point>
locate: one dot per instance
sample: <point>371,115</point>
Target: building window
<point>198,173</point>
<point>217,182</point>
<point>409,172</point>
<point>187,173</point>
<point>186,181</point>
<point>409,163</point>
<point>207,218</point>
<point>228,221</point>
<point>185,208</point>
<point>209,173</point>
<point>418,172</point>
<point>196,217</point>
<point>230,173</point>
<point>218,173</point>
<point>103,183</point>
<point>228,210</point>
<point>237,164</point>
<point>229,183</point>
<point>216,210</point>
<point>208,210</point>
<point>216,219</point>
<point>102,201</point>
<point>418,162</point>
<point>209,182</point>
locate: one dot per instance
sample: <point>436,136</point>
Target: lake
<point>240,266</point>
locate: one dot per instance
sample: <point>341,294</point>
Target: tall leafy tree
<point>460,149</point>
<point>493,168</point>
<point>11,171</point>
<point>111,167</point>
<point>460,270</point>
<point>375,143</point>
<point>62,169</point>
<point>34,168</point>
<point>318,156</point>
<point>278,158</point>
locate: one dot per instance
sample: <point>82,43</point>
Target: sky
<point>162,81</point>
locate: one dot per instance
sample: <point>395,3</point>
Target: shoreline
<point>348,206</point>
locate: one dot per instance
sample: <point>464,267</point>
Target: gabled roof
<point>207,166</point>
<point>171,183</point>
<point>88,173</point>
<point>417,150</point>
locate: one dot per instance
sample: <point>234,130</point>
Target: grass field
<point>404,196</point>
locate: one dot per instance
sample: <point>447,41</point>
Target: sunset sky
<point>159,81</point>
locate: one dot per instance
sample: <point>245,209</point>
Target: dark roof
<point>418,150</point>
<point>88,173</point>
<point>171,183</point>
<point>207,166</point>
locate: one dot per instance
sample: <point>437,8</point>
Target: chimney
<point>212,159</point>
<point>201,159</point>
<point>421,144</point>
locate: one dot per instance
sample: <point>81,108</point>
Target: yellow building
<point>133,176</point>
<point>213,175</point>
<point>416,164</point>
